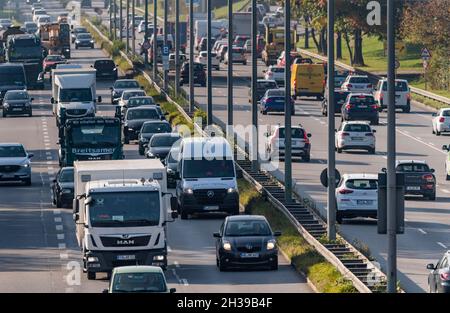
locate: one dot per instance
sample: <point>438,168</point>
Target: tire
<point>438,133</point>
<point>90,275</point>
<point>141,150</point>
<point>244,63</point>
<point>339,150</point>
<point>447,177</point>
<point>58,202</point>
<point>27,182</point>
<point>371,151</point>
<point>264,112</point>
<point>126,140</point>
<point>294,96</point>
<point>307,158</point>
<point>274,266</point>
<point>4,113</point>
<point>30,114</point>
<point>432,197</point>
<point>338,218</point>
<point>407,109</point>
<point>76,47</point>
<point>203,84</point>
<point>375,122</point>
<point>222,267</point>
<point>432,131</point>
<point>184,215</point>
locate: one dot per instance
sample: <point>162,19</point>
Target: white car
<point>238,56</point>
<point>358,83</point>
<point>301,145</point>
<point>275,73</point>
<point>357,196</point>
<point>355,135</point>
<point>441,121</point>
<point>141,26</point>
<point>5,23</point>
<point>182,59</point>
<point>38,13</point>
<point>43,20</point>
<point>203,58</point>
<point>402,94</point>
<point>127,94</point>
<point>217,45</point>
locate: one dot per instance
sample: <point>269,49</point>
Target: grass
<point>325,277</point>
<point>222,12</point>
<point>421,84</point>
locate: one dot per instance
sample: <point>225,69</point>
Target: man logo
<point>210,193</point>
<point>125,242</point>
<point>125,236</point>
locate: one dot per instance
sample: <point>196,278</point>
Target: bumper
<point>66,199</point>
<point>420,192</point>
<point>357,213</point>
<point>20,175</point>
<point>234,259</point>
<point>308,93</point>
<point>294,152</point>
<point>131,134</point>
<point>107,260</point>
<point>229,204</point>
<point>19,111</point>
<point>443,128</point>
<point>349,146</point>
<point>369,116</point>
<point>85,44</point>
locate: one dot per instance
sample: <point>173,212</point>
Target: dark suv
<point>199,74</point>
<point>419,178</point>
<point>134,119</point>
<point>360,107</point>
<point>106,68</point>
<point>339,99</point>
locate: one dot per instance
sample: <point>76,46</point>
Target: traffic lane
<point>195,263</point>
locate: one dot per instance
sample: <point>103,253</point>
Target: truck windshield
<point>75,95</point>
<point>93,135</point>
<point>208,168</point>
<point>16,78</point>
<point>22,51</point>
<point>124,209</point>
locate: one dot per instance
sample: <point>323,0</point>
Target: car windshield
<point>359,80</point>
<point>84,36</point>
<point>149,114</point>
<point>75,95</point>
<point>135,102</point>
<point>247,228</point>
<point>53,58</point>
<point>13,76</point>
<point>163,141</point>
<point>139,282</point>
<point>413,168</point>
<point>66,175</point>
<point>399,86</point>
<point>16,95</point>
<point>357,128</point>
<point>296,133</point>
<point>205,168</point>
<point>277,69</point>
<point>124,209</point>
<point>12,152</point>
<point>275,93</point>
<point>128,94</point>
<point>80,30</point>
<point>264,85</point>
<point>154,128</point>
<point>362,184</point>
<point>126,84</point>
<point>94,134</point>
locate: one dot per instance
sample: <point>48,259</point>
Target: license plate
<point>413,188</point>
<point>357,138</point>
<point>363,106</point>
<point>7,176</point>
<point>211,208</point>
<point>126,257</point>
<point>364,202</point>
<point>17,109</point>
<point>249,255</point>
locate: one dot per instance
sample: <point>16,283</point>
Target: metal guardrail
<point>417,91</point>
<point>326,253</point>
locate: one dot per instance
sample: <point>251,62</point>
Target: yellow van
<point>307,80</point>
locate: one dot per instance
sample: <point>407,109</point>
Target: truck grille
<point>88,157</point>
<point>125,263</point>
<point>252,249</point>
<point>129,242</point>
<point>9,168</point>
<point>210,196</point>
<point>76,112</point>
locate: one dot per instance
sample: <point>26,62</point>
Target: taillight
<point>445,276</point>
<point>381,96</point>
<point>369,86</point>
<point>295,83</point>
<point>345,191</point>
<point>348,106</point>
<point>344,135</point>
<point>441,119</point>
<point>408,96</point>
<point>428,177</point>
<point>374,106</point>
<point>369,135</point>
<point>349,86</point>
<point>305,137</point>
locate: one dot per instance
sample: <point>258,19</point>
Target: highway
<point>427,233</point>
<point>38,250</point>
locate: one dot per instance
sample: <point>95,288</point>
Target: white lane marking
<point>48,162</point>
<point>48,153</point>
<point>47,147</point>
<point>431,143</point>
<point>56,211</point>
<point>414,138</point>
<point>422,231</point>
<point>445,190</point>
<point>176,264</point>
<point>321,161</point>
<point>60,236</point>
<point>61,246</point>
<point>185,282</point>
<point>69,290</point>
<point>59,227</point>
<point>58,219</point>
<point>442,245</point>
<point>384,157</point>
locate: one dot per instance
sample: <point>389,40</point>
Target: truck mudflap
<point>105,261</point>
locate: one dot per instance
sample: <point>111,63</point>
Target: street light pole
<point>155,40</point>
<point>177,47</point>
<point>146,33</point>
<point>287,104</point>
<point>391,151</point>
<point>331,196</point>
<point>166,77</point>
<point>120,20</point>
<point>230,66</point>
<point>209,119</point>
<point>254,144</point>
<point>115,19</point>
<point>110,18</point>
<point>133,34</point>
<point>127,27</point>
<point>191,56</point>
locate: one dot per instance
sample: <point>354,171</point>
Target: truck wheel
<point>141,150</point>
<point>90,275</point>
<point>183,215</point>
<point>126,140</point>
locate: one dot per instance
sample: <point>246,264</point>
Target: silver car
<point>355,135</point>
<point>15,164</point>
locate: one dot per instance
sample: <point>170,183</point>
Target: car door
<point>55,185</point>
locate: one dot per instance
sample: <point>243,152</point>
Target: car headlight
<point>150,155</point>
<point>6,105</point>
<point>231,190</point>
<point>158,258</point>
<point>26,165</point>
<point>115,69</point>
<point>77,41</point>
<point>226,245</point>
<point>170,171</point>
<point>92,41</point>
<point>66,191</point>
<point>188,191</point>
<point>271,244</point>
<point>91,110</point>
<point>92,259</point>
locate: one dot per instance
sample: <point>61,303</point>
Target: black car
<point>17,102</point>
<point>119,86</point>
<point>171,163</point>
<point>439,277</point>
<point>419,178</point>
<point>339,99</point>
<point>133,120</point>
<point>84,40</point>
<point>262,85</point>
<point>199,74</point>
<point>106,68</point>
<point>360,107</point>
<point>62,188</point>
<point>76,31</point>
<point>160,145</point>
<point>137,101</point>
<point>149,129</point>
<point>246,240</point>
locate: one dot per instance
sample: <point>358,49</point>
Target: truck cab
<point>275,44</point>
<point>121,219</point>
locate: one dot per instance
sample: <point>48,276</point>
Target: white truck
<point>75,90</point>
<point>201,29</point>
<point>242,24</point>
<point>121,210</point>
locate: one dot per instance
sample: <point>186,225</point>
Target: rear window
<point>156,128</point>
<point>126,84</point>
<point>446,113</point>
<point>104,64</point>
<point>163,141</point>
<point>413,168</point>
<point>266,85</point>
<point>128,95</point>
<point>277,69</point>
<point>362,100</point>
<point>399,86</point>
<point>357,128</point>
<point>361,184</point>
<point>359,80</point>
<point>296,133</point>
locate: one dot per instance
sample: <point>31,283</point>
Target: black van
<point>12,77</point>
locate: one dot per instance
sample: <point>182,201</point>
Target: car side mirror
<point>92,66</point>
<point>266,134</point>
<point>54,181</point>
<point>173,290</point>
<point>432,170</point>
<point>174,214</point>
<point>30,155</point>
<point>31,99</point>
<point>308,135</point>
<point>111,88</point>
<point>76,217</point>
<point>444,147</point>
<point>52,100</point>
<point>277,233</point>
<point>431,266</point>
<point>105,291</point>
<point>434,114</point>
<point>374,131</point>
<point>174,203</point>
<point>142,87</point>
<point>216,235</point>
<point>99,99</point>
<point>384,170</point>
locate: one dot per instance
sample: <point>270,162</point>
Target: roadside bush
<point>117,47</point>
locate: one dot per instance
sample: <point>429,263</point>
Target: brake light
<point>295,83</point>
<point>441,119</point>
<point>349,86</point>
<point>374,106</point>
<point>445,276</point>
<point>348,106</point>
<point>345,191</point>
<point>381,96</point>
<point>361,96</point>
<point>344,135</point>
<point>428,177</point>
<point>305,137</point>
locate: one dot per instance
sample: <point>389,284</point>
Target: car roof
<point>363,76</point>
<point>246,218</point>
<point>137,269</point>
<point>261,80</point>
<point>133,90</point>
<point>143,107</point>
<point>156,122</point>
<point>177,135</point>
<point>10,144</point>
<point>398,162</point>
<point>356,122</point>
<point>360,176</point>
<point>353,94</point>
<point>126,80</point>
